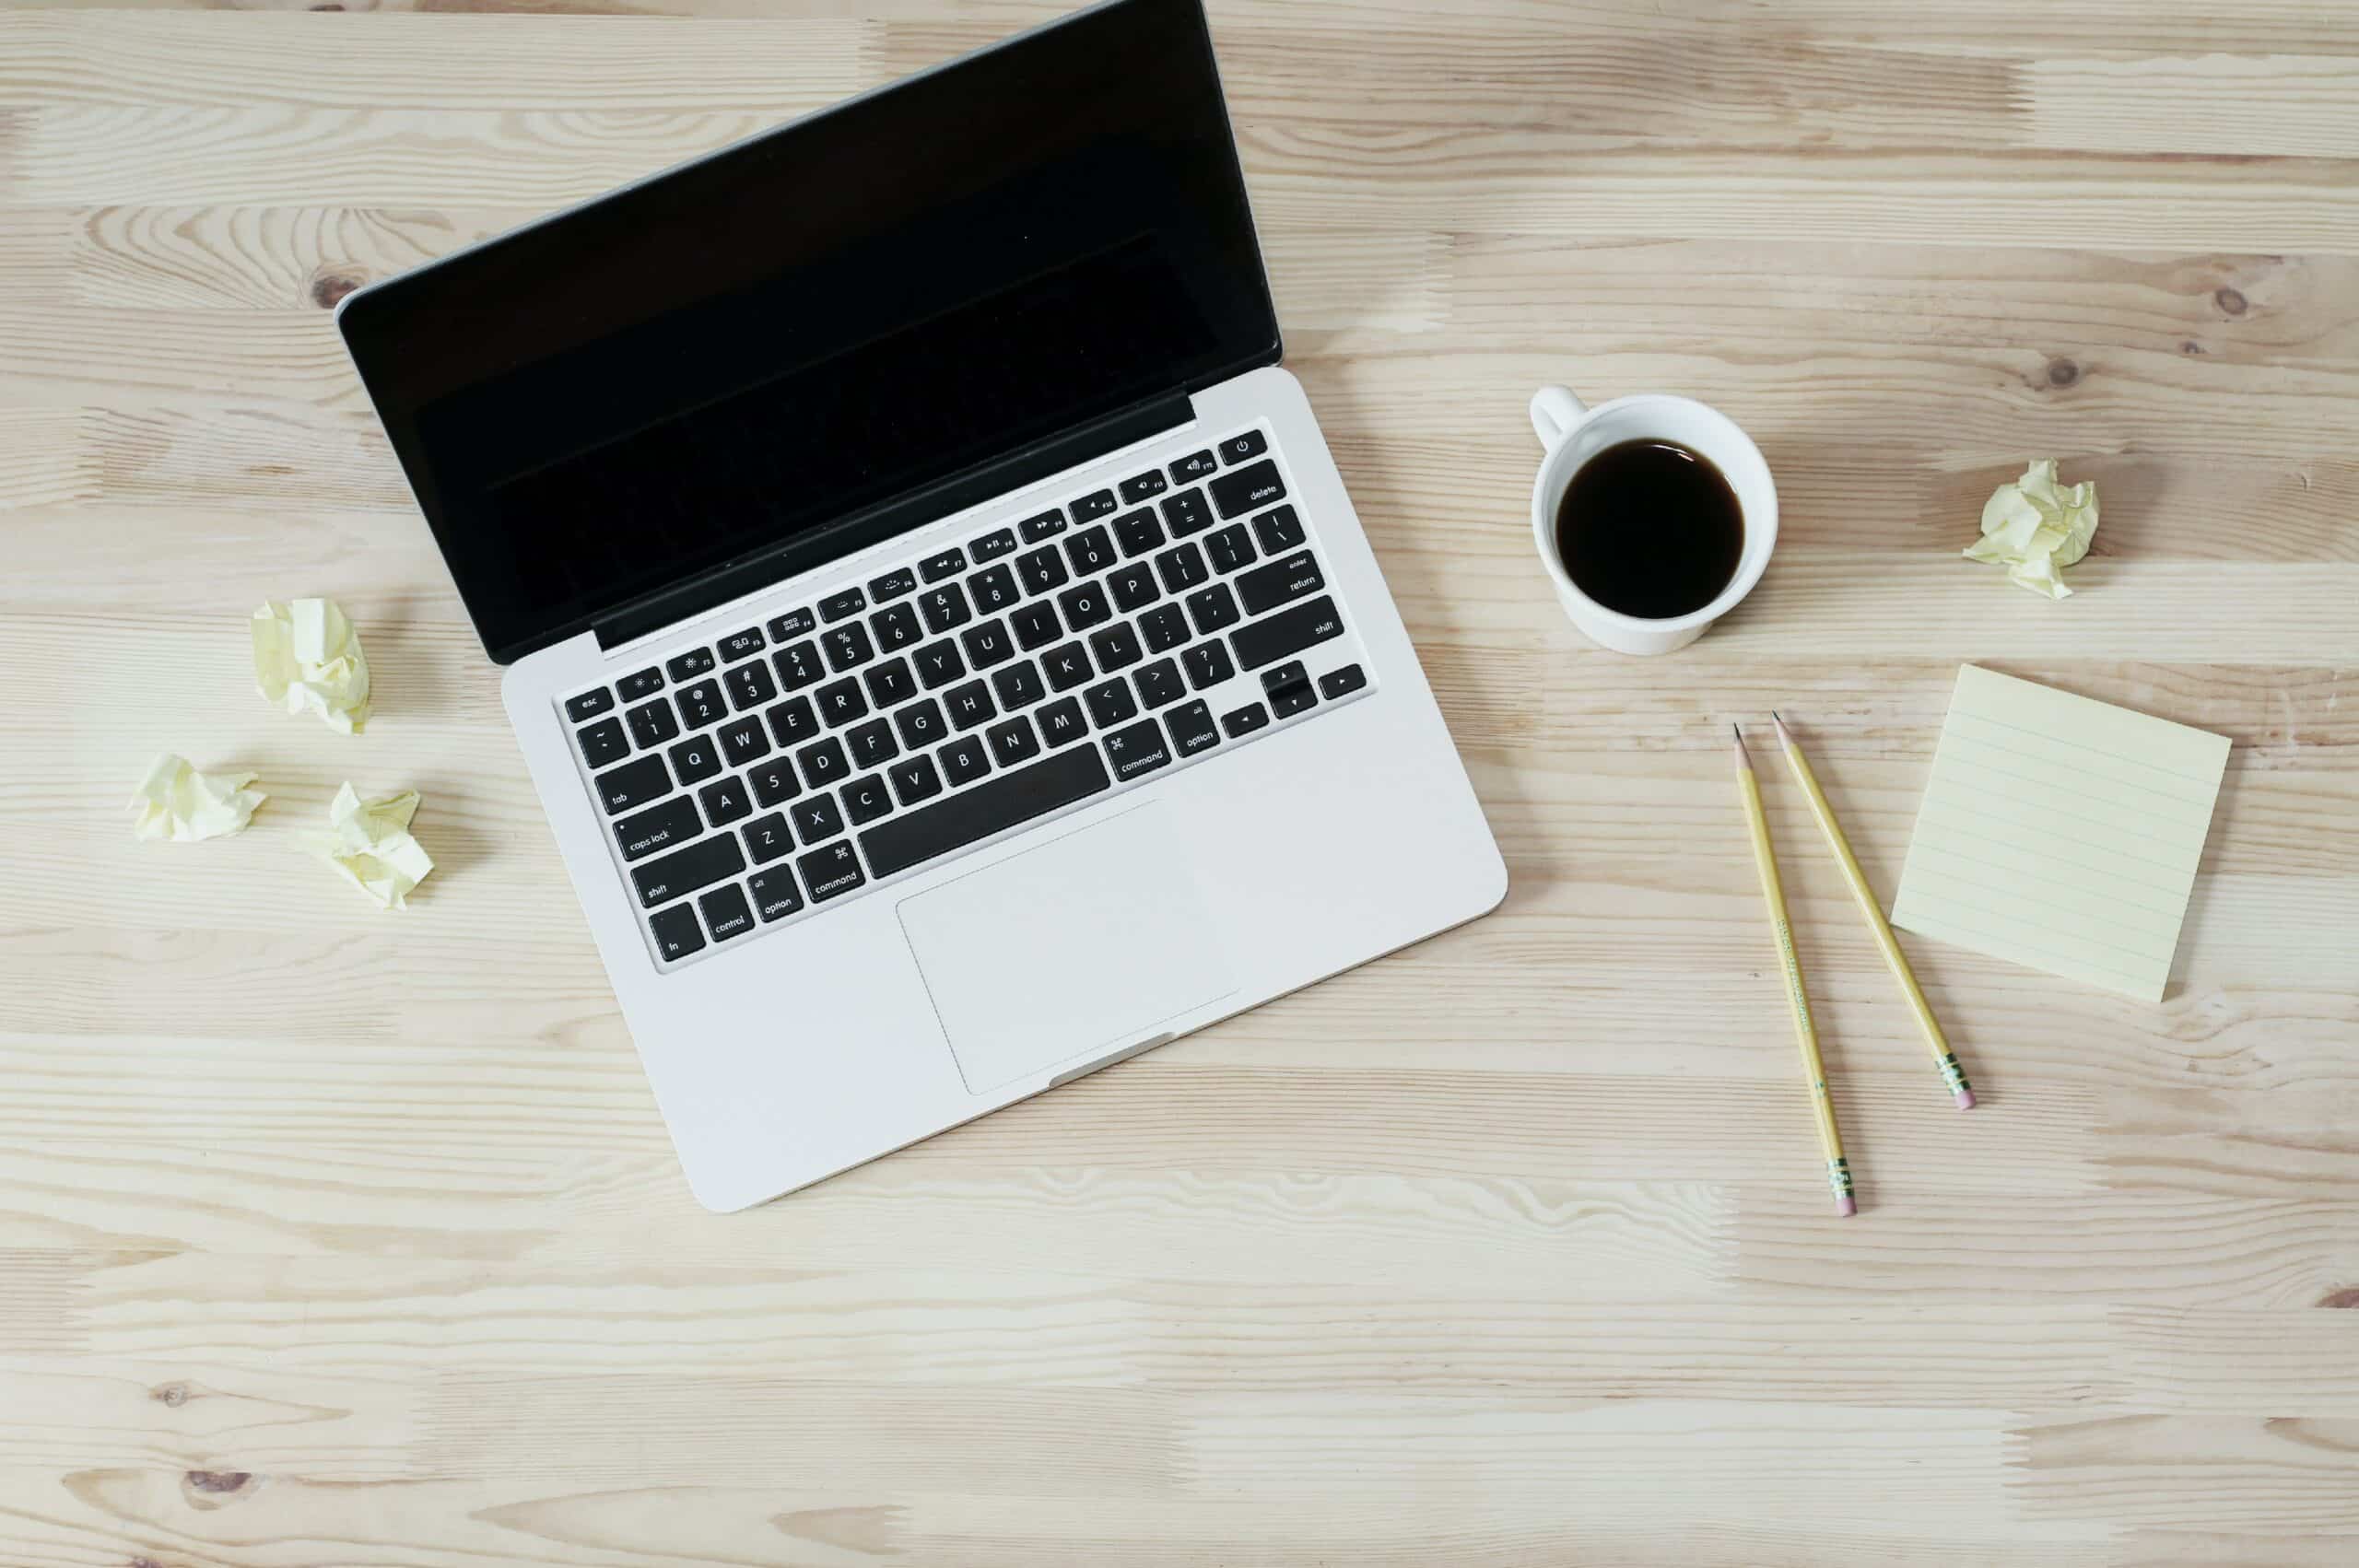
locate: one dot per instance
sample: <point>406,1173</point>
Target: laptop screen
<point>724,362</point>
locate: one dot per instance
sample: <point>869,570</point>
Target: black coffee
<point>1651,529</point>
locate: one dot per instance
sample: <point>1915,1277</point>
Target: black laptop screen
<point>722,362</point>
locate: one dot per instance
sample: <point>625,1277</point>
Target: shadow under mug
<point>1573,432</point>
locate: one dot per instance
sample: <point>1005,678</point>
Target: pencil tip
<point>1846,1207</point>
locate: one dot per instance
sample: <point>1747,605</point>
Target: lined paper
<point>2060,833</point>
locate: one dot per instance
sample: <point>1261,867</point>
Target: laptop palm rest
<point>1076,949</point>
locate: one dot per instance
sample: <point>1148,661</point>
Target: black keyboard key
<point>1089,551</point>
<point>840,702</point>
<point>645,682</point>
<point>695,759</point>
<point>685,870</point>
<point>1230,547</point>
<point>1278,530</point>
<point>1067,666</point>
<point>725,801</point>
<point>914,779</point>
<point>1186,513</point>
<point>1280,583</point>
<point>1245,720</point>
<point>749,686</point>
<point>602,742</point>
<point>1159,684</point>
<point>1245,489</point>
<point>891,683</point>
<point>987,644</point>
<point>846,646</point>
<point>836,606</point>
<point>947,563</point>
<point>993,591</point>
<point>945,607</point>
<point>1062,721</point>
<point>830,872</point>
<point>1116,647</point>
<point>652,723</point>
<point>1139,487</point>
<point>1085,606</point>
<point>700,705</point>
<point>658,827</point>
<point>1343,682</point>
<point>992,545</point>
<point>589,705</point>
<point>1164,627</point>
<point>798,664</point>
<point>794,722</point>
<point>914,838</point>
<point>774,783</point>
<point>726,914</point>
<point>939,664</point>
<point>793,624</point>
<point>871,744</point>
<point>921,724</point>
<point>1138,532</point>
<point>1192,727</point>
<point>742,741</point>
<point>1213,608</point>
<point>1043,569</point>
<point>1132,587</point>
<point>1110,703</point>
<point>1098,503</point>
<point>766,838</point>
<point>866,799</point>
<point>1283,675</point>
<point>1018,686</point>
<point>1291,698</point>
<point>1195,465</point>
<point>897,627</point>
<point>689,665</point>
<point>1012,741</point>
<point>676,932</point>
<point>893,584</point>
<point>1181,568</point>
<point>823,765</point>
<point>1036,625</point>
<point>1046,525</point>
<point>741,645</point>
<point>632,784</point>
<point>1249,443</point>
<point>970,705</point>
<point>964,760</point>
<point>815,818</point>
<point>1208,664</point>
<point>775,895</point>
<point>1287,633</point>
<point>1139,749</point>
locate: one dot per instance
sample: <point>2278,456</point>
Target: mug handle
<point>1555,412</point>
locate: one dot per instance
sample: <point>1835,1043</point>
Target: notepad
<point>2060,833</point>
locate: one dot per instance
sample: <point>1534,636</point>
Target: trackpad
<point>1076,949</point>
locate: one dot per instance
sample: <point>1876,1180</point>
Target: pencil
<point>1943,1057</point>
<point>1839,1170</point>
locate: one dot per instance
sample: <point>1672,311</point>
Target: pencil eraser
<point>1847,1206</point>
<point>1966,1099</point>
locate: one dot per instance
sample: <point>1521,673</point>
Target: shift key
<point>685,870</point>
<point>1285,634</point>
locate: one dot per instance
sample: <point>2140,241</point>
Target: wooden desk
<point>335,1237</point>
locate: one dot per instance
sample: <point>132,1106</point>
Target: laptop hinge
<point>735,579</point>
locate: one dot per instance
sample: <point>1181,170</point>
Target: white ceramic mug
<point>1573,432</point>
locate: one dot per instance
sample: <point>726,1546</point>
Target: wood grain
<point>331,1238</point>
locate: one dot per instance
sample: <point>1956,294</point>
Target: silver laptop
<point>936,629</point>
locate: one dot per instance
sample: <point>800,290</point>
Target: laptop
<point>935,625</point>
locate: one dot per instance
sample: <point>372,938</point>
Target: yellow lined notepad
<point>2060,833</point>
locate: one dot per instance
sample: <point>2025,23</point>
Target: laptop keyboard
<point>1042,663</point>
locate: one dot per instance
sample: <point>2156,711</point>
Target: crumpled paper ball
<point>176,802</point>
<point>2036,528</point>
<point>307,659</point>
<point>369,842</point>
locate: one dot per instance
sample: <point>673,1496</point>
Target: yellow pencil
<point>1839,1170</point>
<point>1943,1057</point>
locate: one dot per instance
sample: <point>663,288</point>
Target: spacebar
<point>988,808</point>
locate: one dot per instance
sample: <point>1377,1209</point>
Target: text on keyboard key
<point>676,932</point>
<point>632,784</point>
<point>658,827</point>
<point>1287,633</point>
<point>1243,490</point>
<point>643,683</point>
<point>832,872</point>
<point>1192,727</point>
<point>725,913</point>
<point>1280,583</point>
<point>768,837</point>
<point>696,758</point>
<point>685,870</point>
<point>589,705</point>
<point>602,742</point>
<point>1140,748</point>
<point>775,895</point>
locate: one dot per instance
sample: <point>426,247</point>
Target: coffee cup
<point>1577,436</point>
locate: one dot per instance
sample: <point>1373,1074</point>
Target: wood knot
<point>326,5</point>
<point>145,1562</point>
<point>175,1395</point>
<point>332,284</point>
<point>2231,302</point>
<point>219,1482</point>
<point>2347,1296</point>
<point>2191,347</point>
<point>2062,372</point>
